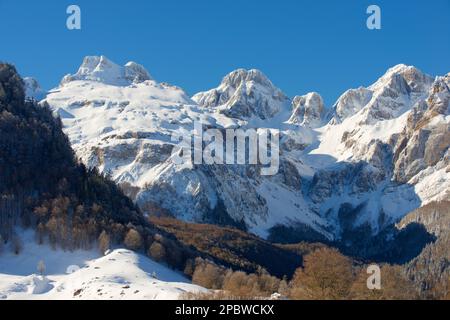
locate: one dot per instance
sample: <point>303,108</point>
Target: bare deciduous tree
<point>326,274</point>
<point>103,242</point>
<point>133,240</point>
<point>41,267</point>
<point>157,251</point>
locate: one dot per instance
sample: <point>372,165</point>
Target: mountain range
<point>377,154</point>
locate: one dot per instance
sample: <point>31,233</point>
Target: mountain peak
<point>386,98</point>
<point>244,94</point>
<point>307,110</point>
<point>415,78</point>
<point>239,76</point>
<point>101,69</point>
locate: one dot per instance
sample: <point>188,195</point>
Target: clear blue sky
<point>302,46</point>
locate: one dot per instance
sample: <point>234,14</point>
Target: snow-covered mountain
<point>245,94</point>
<point>120,274</point>
<point>372,145</point>
<point>379,153</point>
<point>389,97</point>
<point>103,70</point>
<point>307,110</point>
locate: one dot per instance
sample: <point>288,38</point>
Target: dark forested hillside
<point>430,270</point>
<point>233,247</point>
<point>41,183</point>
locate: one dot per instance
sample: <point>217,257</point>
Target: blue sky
<point>301,46</point>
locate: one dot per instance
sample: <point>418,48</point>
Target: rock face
<point>350,103</point>
<point>390,96</point>
<point>425,140</point>
<point>245,94</point>
<point>307,110</point>
<point>382,154</point>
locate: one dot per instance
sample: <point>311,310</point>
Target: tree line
<point>325,275</point>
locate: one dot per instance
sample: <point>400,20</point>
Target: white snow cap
<point>101,69</point>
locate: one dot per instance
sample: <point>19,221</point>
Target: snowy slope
<point>120,274</point>
<point>127,121</point>
<point>370,151</point>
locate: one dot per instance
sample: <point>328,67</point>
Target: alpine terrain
<point>363,164</point>
<point>88,172</point>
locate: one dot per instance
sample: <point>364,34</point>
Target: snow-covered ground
<point>120,274</point>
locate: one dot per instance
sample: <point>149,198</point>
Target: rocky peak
<point>350,103</point>
<point>307,110</point>
<point>136,73</point>
<point>391,95</point>
<point>440,95</point>
<point>416,80</point>
<point>241,76</point>
<point>101,69</point>
<point>435,105</point>
<point>244,94</point>
<point>426,137</point>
